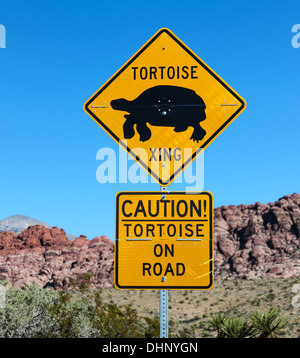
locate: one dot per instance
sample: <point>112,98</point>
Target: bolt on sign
<point>164,241</point>
<point>164,106</point>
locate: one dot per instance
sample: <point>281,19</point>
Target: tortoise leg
<point>128,127</point>
<point>198,133</point>
<point>181,127</point>
<point>144,131</point>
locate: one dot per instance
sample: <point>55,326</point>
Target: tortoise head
<point>119,104</point>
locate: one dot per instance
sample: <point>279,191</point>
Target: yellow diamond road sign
<point>164,106</point>
<point>164,243</point>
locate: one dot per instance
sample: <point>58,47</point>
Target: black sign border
<point>204,145</point>
<point>162,287</point>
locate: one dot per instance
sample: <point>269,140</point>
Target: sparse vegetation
<point>263,309</point>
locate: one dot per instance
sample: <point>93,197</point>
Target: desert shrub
<point>153,327</point>
<point>217,322</point>
<point>111,321</point>
<point>236,328</point>
<point>228,327</point>
<point>35,312</point>
<point>267,324</point>
<point>261,324</point>
<point>20,318</point>
<point>66,318</point>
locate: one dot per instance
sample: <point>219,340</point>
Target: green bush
<point>22,315</point>
<point>236,328</point>
<point>266,324</point>
<point>43,313</point>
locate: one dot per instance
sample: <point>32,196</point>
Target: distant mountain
<point>18,223</point>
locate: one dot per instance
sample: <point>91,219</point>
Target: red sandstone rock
<point>46,257</point>
<point>81,241</point>
<point>250,241</point>
<point>263,236</point>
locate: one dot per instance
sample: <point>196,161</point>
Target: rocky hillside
<point>259,240</point>
<point>48,258</point>
<point>250,241</point>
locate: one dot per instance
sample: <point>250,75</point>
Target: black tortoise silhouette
<point>165,106</point>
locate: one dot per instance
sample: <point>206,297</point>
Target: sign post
<point>163,299</point>
<point>164,240</point>
<point>164,313</point>
<point>164,106</point>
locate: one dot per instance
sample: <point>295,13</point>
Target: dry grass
<point>192,309</point>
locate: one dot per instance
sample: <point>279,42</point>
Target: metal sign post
<point>164,240</point>
<point>163,297</point>
<point>163,313</point>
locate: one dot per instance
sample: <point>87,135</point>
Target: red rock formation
<point>250,241</point>
<point>48,258</point>
<point>259,240</point>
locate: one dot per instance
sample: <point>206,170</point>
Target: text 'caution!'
<point>164,240</point>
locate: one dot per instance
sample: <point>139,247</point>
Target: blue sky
<point>59,53</point>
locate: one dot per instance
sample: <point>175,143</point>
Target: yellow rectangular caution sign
<point>164,240</point>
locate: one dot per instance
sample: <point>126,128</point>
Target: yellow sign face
<point>164,242</point>
<point>164,106</point>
